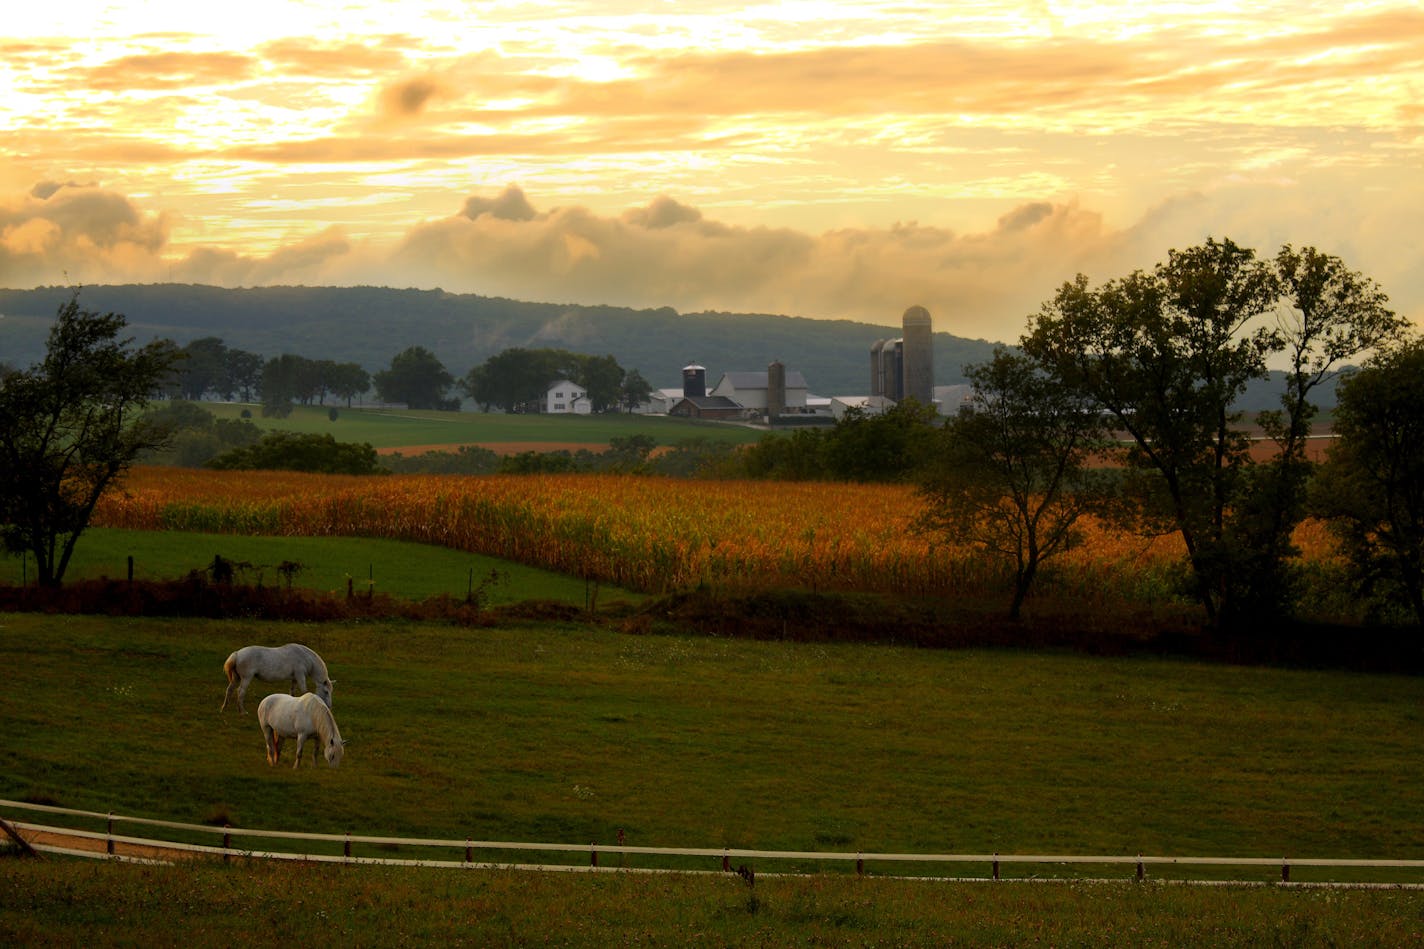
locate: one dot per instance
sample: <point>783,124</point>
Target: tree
<point>416,378</point>
<point>635,390</point>
<point>1166,355</point>
<point>204,362</point>
<point>346,380</point>
<point>281,382</point>
<point>1327,314</point>
<point>292,451</point>
<point>890,446</point>
<point>1012,472</point>
<point>242,375</point>
<point>515,378</point>
<point>602,378</point>
<point>70,427</point>
<point>1371,486</point>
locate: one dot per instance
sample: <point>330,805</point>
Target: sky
<point>816,159</point>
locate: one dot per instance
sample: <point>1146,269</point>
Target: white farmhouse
<point>566,398</point>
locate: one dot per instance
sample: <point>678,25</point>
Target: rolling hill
<point>369,325</point>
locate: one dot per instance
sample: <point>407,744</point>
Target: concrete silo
<point>877,370</point>
<point>775,391</point>
<point>918,366</point>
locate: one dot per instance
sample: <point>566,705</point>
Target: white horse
<point>293,662</point>
<point>300,717</point>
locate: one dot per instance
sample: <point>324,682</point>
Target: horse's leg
<point>274,747</point>
<point>301,739</point>
<point>242,693</point>
<point>231,684</point>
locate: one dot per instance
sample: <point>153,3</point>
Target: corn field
<point>648,534</point>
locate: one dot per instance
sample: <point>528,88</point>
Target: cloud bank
<point>669,253</point>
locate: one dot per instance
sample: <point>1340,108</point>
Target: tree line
<point>513,380</point>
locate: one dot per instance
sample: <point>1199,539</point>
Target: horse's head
<point>324,688</point>
<point>335,748</point>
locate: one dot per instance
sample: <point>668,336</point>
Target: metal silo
<point>694,382</point>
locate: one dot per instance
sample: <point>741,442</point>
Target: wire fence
<point>594,857</point>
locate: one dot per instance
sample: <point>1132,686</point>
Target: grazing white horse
<point>273,664</point>
<point>300,717</point>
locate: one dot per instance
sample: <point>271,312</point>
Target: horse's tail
<point>230,667</point>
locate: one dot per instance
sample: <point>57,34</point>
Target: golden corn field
<point>647,534</point>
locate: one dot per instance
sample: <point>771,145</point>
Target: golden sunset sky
<point>830,160</point>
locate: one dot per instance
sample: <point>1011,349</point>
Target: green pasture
<point>396,428</point>
<point>566,734</point>
<point>400,569</point>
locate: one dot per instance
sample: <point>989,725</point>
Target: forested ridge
<point>369,325</point>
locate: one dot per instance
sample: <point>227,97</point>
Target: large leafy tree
<point>70,427</point>
<point>417,378</point>
<point>1372,484</point>
<point>516,378</point>
<point>1013,473</point>
<point>1167,353</point>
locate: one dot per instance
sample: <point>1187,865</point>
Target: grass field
<point>64,904</point>
<point>566,734</point>
<point>418,430</point>
<point>401,569</point>
<point>569,734</point>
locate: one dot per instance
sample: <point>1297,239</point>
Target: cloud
<point>668,253</point>
<point>167,70</point>
<point>82,231</point>
<point>410,96</point>
<point>982,283</point>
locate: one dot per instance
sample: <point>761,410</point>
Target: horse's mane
<point>323,718</point>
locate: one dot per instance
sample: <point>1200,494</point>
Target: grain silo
<point>694,381</point>
<point>918,366</point>
<point>877,371</point>
<point>775,391</point>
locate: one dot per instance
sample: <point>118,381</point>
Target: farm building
<point>566,398</point>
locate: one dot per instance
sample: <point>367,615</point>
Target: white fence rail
<point>468,848</point>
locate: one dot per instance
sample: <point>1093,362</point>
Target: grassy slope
<point>412,571</point>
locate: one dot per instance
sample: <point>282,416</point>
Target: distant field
<point>417,431</point>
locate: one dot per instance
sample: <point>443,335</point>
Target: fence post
<point>726,861</point>
<point>469,851</point>
<point>996,866</point>
<point>1141,872</point>
<point>109,843</point>
<point>346,850</point>
<point>1285,870</point>
<point>227,842</point>
<point>593,854</point>
<point>859,864</point>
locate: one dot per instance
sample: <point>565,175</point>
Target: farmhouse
<point>565,397</point>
